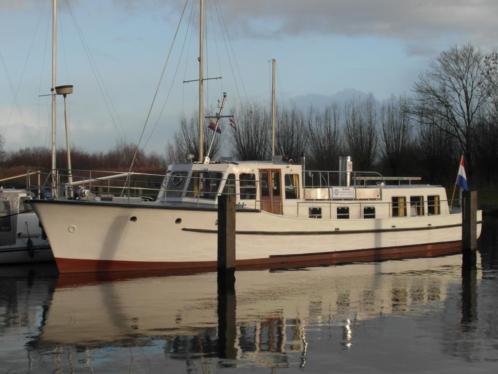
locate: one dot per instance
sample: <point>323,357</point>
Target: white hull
<point>100,236</point>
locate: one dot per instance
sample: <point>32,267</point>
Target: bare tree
<point>395,132</point>
<point>2,154</point>
<point>324,134</point>
<point>453,94</point>
<point>436,160</point>
<point>251,138</point>
<point>360,132</point>
<point>291,137</point>
<point>186,142</point>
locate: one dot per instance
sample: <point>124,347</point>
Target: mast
<point>52,90</point>
<point>273,106</point>
<point>201,81</point>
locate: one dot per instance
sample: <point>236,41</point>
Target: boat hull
<point>94,237</point>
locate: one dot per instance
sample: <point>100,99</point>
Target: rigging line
<point>23,71</point>
<point>156,123</point>
<point>9,80</point>
<point>154,98</point>
<point>42,67</point>
<point>190,26</point>
<point>237,66</point>
<point>224,31</point>
<point>98,77</point>
<point>217,48</point>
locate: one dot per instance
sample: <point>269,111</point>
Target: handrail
<point>20,176</point>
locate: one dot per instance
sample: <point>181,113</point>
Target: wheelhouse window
<point>433,205</point>
<point>24,205</point>
<point>204,185</point>
<point>247,186</point>
<point>5,225</point>
<point>416,206</point>
<point>398,206</point>
<point>369,212</point>
<point>315,212</point>
<point>343,212</point>
<point>229,188</point>
<point>176,183</point>
<point>292,186</point>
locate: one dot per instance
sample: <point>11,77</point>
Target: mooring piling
<point>469,229</point>
<point>226,232</point>
<point>227,331</point>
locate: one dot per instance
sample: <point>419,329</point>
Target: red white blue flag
<point>462,176</point>
<point>215,126</point>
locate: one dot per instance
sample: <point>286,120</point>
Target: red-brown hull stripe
<point>285,261</point>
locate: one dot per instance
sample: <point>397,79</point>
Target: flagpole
<point>456,182</point>
<point>453,194</point>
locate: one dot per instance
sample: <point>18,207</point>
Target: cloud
<point>22,129</point>
<point>391,18</point>
<point>411,20</point>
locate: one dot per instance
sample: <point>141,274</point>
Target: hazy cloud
<point>411,20</point>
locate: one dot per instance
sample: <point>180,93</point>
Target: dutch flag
<point>462,176</point>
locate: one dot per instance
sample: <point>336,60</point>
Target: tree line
<point>452,110</point>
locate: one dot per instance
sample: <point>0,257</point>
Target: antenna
<point>217,117</point>
<point>273,106</point>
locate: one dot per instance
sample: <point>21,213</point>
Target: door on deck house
<point>270,188</point>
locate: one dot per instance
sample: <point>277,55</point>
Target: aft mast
<point>53,93</point>
<point>201,81</point>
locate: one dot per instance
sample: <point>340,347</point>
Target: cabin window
<point>416,206</point>
<point>5,216</point>
<point>247,186</point>
<point>176,183</point>
<point>292,186</point>
<point>315,212</point>
<point>229,188</point>
<point>399,206</point>
<point>433,205</point>
<point>343,212</point>
<point>24,205</point>
<point>275,179</point>
<point>369,212</point>
<point>204,184</point>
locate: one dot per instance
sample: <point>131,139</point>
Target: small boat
<point>21,237</point>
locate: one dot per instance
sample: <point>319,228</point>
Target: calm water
<point>396,316</point>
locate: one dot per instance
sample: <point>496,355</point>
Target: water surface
<point>395,316</point>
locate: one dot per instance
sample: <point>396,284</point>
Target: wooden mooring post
<point>227,330</point>
<point>226,232</point>
<point>469,230</point>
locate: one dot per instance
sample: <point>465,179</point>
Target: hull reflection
<point>267,318</point>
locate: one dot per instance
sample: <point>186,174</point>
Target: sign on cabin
<point>343,192</point>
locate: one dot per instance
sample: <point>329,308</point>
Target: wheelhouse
<point>282,188</point>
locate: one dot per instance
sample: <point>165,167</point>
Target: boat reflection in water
<point>265,323</point>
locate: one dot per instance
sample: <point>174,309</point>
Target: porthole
<point>133,218</point>
<point>178,221</point>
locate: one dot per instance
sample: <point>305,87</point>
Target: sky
<point>113,52</point>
